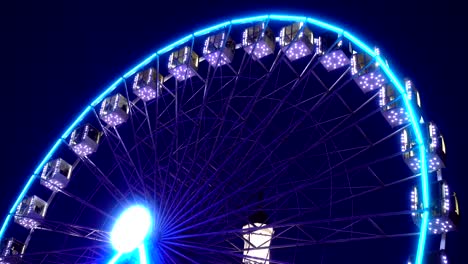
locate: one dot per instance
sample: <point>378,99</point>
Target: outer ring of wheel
<point>277,17</point>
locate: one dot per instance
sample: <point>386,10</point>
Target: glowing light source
<point>257,243</point>
<point>142,251</point>
<point>115,258</point>
<point>131,229</point>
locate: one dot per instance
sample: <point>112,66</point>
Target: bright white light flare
<point>131,228</point>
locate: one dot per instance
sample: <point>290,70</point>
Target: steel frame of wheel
<point>273,17</point>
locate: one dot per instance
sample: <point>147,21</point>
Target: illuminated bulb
<point>130,229</point>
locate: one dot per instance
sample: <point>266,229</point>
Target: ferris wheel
<point>267,139</point>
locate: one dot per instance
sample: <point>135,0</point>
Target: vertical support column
<point>439,175</point>
<point>442,241</point>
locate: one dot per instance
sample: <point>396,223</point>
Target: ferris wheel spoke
<point>344,230</point>
<point>241,162</point>
<point>360,149</point>
<point>343,240</point>
<point>369,190</point>
<point>320,174</point>
<point>199,91</point>
<point>86,203</point>
<point>185,147</point>
<point>202,201</point>
<point>339,84</point>
<point>92,255</point>
<point>178,253</point>
<point>114,146</point>
<point>136,169</point>
<point>55,259</point>
<point>357,109</point>
<point>348,182</point>
<point>102,177</point>
<point>164,176</point>
<point>200,249</point>
<point>328,91</point>
<point>287,133</point>
<point>70,229</point>
<point>115,142</point>
<point>175,229</point>
<point>318,178</point>
<point>212,253</point>
<point>377,188</point>
<point>261,80</point>
<point>167,257</point>
<point>157,156</point>
<point>89,255</point>
<point>202,107</point>
<point>331,133</point>
<point>80,252</point>
<point>172,146</point>
<point>303,185</point>
<point>272,115</point>
<point>223,87</point>
<point>88,199</point>
<point>155,162</point>
<point>288,224</point>
<point>211,155</point>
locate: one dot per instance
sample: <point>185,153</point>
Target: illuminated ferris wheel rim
<point>251,19</point>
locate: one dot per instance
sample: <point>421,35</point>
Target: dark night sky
<point>59,56</point>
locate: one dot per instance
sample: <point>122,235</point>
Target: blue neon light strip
<point>106,92</point>
<point>287,18</point>
<point>422,157</point>
<point>76,122</point>
<point>359,43</point>
<point>143,255</point>
<point>175,44</point>
<point>325,25</point>
<point>249,20</point>
<point>141,65</point>
<point>352,38</point>
<point>211,29</point>
<point>47,157</point>
<point>115,258</point>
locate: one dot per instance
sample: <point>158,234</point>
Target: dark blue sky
<point>58,56</point>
